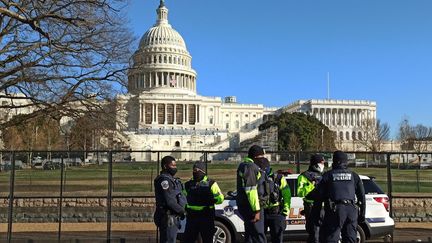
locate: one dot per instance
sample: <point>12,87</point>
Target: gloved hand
<point>361,219</point>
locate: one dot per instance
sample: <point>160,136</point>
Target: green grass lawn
<point>137,179</point>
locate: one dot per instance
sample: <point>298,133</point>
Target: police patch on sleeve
<point>165,185</point>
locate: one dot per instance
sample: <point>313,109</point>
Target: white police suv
<point>378,224</point>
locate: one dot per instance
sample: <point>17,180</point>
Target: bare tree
<point>374,134</point>
<point>60,56</point>
<point>422,138</point>
<point>417,138</point>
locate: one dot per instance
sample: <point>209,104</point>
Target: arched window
<point>360,136</point>
<point>347,137</point>
<point>177,144</point>
<point>354,137</point>
<point>341,136</point>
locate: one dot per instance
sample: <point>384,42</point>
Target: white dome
<point>162,35</point>
<point>162,60</point>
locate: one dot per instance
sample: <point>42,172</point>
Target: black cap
<point>255,151</point>
<point>340,157</point>
<point>166,161</point>
<point>316,159</point>
<point>200,165</point>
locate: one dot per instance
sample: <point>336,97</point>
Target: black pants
<point>254,232</point>
<point>339,222</point>
<point>276,223</point>
<point>168,227</point>
<point>314,214</point>
<point>199,222</point>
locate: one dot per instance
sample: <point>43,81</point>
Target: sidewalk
<point>413,225</point>
<point>78,227</point>
<point>135,227</point>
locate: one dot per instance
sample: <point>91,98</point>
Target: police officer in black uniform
<point>249,196</point>
<point>202,193</point>
<point>344,201</point>
<point>170,202</point>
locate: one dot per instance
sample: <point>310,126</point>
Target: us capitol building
<point>162,110</point>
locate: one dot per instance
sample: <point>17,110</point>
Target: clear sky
<point>275,52</point>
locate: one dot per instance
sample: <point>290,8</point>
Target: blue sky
<point>277,51</point>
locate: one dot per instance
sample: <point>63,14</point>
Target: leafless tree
<point>417,138</point>
<point>60,56</point>
<point>374,134</point>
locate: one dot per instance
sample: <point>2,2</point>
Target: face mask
<point>172,171</point>
<point>198,176</point>
<point>321,167</point>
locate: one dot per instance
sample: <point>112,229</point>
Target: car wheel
<point>223,234</point>
<point>361,236</point>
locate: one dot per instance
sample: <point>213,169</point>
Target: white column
<point>184,113</point>
<point>157,113</point>
<point>196,114</point>
<point>166,115</point>
<point>153,113</point>
<point>187,113</point>
<point>140,112</point>
<point>175,116</point>
<point>143,112</point>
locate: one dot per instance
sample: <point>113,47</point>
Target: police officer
<point>306,183</point>
<point>278,200</point>
<point>342,191</point>
<point>202,194</point>
<point>170,202</point>
<point>249,183</point>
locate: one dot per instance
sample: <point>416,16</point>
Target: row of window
<point>237,115</point>
<point>176,143</point>
<point>158,59</point>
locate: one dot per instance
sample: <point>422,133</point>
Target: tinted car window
<point>371,187</point>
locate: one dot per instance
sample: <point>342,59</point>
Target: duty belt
<point>344,202</point>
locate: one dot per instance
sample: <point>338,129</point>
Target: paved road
<point>400,235</point>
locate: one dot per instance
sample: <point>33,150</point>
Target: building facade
<point>345,117</point>
<point>162,110</point>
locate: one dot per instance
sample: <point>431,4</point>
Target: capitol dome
<point>162,35</point>
<point>162,60</point>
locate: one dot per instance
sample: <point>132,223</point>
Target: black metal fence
<point>57,178</point>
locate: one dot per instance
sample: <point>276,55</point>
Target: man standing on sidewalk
<point>170,202</point>
<point>202,194</point>
<point>249,184</point>
<point>306,182</point>
<point>277,195</point>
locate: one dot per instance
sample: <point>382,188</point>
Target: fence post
<point>389,185</point>
<point>158,163</point>
<point>60,217</point>
<point>109,196</point>
<point>205,161</point>
<point>11,198</point>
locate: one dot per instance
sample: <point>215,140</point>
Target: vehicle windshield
<point>371,187</point>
